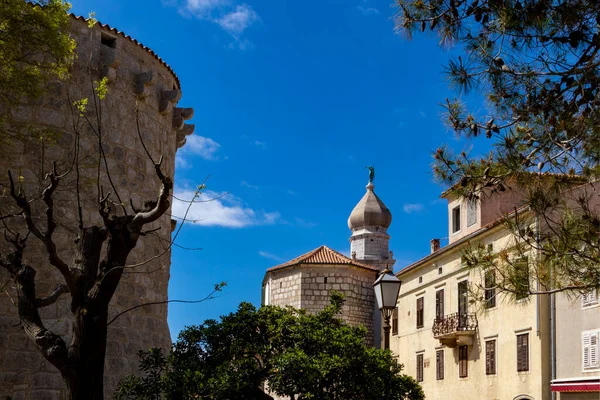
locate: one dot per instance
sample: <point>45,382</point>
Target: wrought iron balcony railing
<point>454,324</point>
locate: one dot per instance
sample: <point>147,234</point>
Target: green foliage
<point>101,88</point>
<point>35,47</point>
<point>537,63</point>
<point>297,355</point>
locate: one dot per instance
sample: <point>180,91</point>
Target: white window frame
<point>590,299</point>
<point>590,344</point>
<point>453,220</point>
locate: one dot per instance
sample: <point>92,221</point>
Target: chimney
<point>434,245</point>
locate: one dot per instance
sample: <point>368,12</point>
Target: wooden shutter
<point>395,321</point>
<point>419,367</point>
<point>420,311</point>
<point>490,357</point>
<point>439,365</point>
<point>591,348</point>
<point>463,360</point>
<point>439,304</point>
<point>523,352</point>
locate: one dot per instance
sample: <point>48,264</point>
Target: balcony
<point>455,329</point>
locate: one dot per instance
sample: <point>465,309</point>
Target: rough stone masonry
<point>140,83</point>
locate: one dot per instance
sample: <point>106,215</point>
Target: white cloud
<point>248,185</point>
<point>237,21</point>
<point>180,161</point>
<point>233,19</point>
<point>202,146</point>
<point>258,143</point>
<point>366,10</point>
<point>219,209</point>
<point>203,8</point>
<point>411,208</point>
<point>269,256</point>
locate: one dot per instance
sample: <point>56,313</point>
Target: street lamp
<point>387,288</point>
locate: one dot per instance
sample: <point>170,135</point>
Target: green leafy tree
<point>294,354</point>
<point>35,47</point>
<point>536,64</point>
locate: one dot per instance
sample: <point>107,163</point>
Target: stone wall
<point>139,84</point>
<point>370,245</point>
<point>308,287</point>
<point>285,287</point>
<point>355,283</point>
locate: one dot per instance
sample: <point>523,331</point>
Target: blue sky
<point>292,100</point>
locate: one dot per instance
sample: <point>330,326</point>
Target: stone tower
<point>139,84</point>
<point>369,242</point>
<point>369,222</point>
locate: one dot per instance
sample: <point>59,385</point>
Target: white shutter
<point>586,350</point>
<point>594,350</point>
<point>591,350</point>
<point>589,298</point>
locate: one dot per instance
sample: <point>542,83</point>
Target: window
<point>395,321</point>
<point>521,278</point>
<point>523,352</point>
<point>439,304</point>
<point>456,219</point>
<point>590,298</point>
<point>591,350</point>
<point>490,357</point>
<point>325,280</point>
<point>439,365</point>
<point>419,367</point>
<point>440,270</point>
<point>420,279</point>
<point>463,359</point>
<point>490,288</point>
<point>471,212</point>
<point>107,40</point>
<point>420,310</point>
<point>463,302</point>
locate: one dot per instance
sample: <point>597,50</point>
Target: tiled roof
<point>574,178</point>
<point>322,255</point>
<point>122,34</point>
<point>462,240</point>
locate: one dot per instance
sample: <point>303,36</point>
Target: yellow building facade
<point>460,348</point>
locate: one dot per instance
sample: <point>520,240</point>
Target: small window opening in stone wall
<point>108,40</point>
<point>280,285</point>
<point>325,280</point>
<point>420,279</point>
<point>440,270</point>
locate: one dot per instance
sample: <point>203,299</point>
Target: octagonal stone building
<point>305,281</point>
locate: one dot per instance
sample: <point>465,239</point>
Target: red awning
<point>593,386</point>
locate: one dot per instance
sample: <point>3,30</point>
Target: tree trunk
<point>85,381</point>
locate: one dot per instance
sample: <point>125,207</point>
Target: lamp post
<point>387,288</point>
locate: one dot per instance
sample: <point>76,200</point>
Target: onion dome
<point>370,211</point>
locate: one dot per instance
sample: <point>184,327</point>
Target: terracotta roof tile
<point>462,240</point>
<point>322,255</point>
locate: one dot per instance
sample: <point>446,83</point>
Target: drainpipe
<point>552,311</point>
<point>537,285</point>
